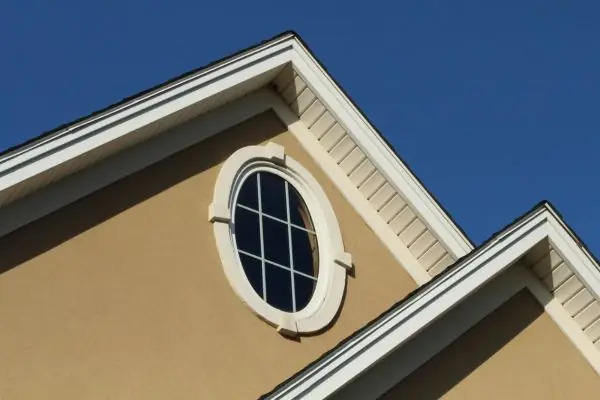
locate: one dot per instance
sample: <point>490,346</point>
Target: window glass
<point>270,219</point>
<point>248,195</point>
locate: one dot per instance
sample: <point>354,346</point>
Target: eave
<point>430,302</point>
<point>84,143</point>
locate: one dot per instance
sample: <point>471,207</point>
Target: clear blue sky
<point>494,106</point>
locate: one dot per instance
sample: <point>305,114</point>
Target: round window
<point>276,241</point>
<point>279,240</point>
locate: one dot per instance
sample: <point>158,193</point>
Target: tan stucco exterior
<point>516,352</point>
<point>122,296</point>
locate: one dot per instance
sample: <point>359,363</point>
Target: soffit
<point>561,280</point>
<point>372,182</point>
<point>359,150</point>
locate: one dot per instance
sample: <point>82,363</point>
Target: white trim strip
<point>437,336</point>
<point>89,180</point>
<point>408,319</point>
<point>218,78</point>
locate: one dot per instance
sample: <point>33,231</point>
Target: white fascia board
<point>87,135</point>
<point>411,317</point>
<point>379,152</point>
<point>79,139</point>
<point>70,189</point>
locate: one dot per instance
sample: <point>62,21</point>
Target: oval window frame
<point>334,261</point>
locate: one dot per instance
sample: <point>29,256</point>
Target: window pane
<point>279,287</point>
<point>304,288</point>
<point>305,252</point>
<point>276,244</point>
<point>253,270</point>
<point>248,194</point>
<point>278,290</point>
<point>298,212</point>
<point>247,231</point>
<point>272,189</point>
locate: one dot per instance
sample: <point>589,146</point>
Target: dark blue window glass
<point>270,219</point>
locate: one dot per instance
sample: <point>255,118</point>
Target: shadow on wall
<point>452,365</point>
<point>543,260</point>
<point>51,231</point>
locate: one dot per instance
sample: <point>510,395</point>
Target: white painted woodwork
<point>422,244</point>
<point>383,195</point>
<point>372,184</point>
<point>412,232</point>
<point>303,101</point>
<point>578,302</point>
<point>568,289</point>
<point>441,265</point>
<point>544,266</point>
<point>291,92</point>
<point>352,160</point>
<point>342,149</point>
<point>284,79</point>
<point>402,220</point>
<point>312,113</point>
<point>588,315</point>
<point>593,331</point>
<point>323,124</point>
<point>332,137</point>
<point>431,256</point>
<point>392,208</point>
<point>558,276</point>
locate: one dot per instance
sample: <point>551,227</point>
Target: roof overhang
<point>141,117</point>
<point>76,146</point>
<point>432,301</point>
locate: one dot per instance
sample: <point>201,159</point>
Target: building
<point>244,231</point>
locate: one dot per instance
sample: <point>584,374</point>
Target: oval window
<point>276,241</point>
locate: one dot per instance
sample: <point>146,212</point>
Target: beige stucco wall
<point>122,296</point>
<point>517,352</point>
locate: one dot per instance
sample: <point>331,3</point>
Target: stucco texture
<point>516,352</point>
<point>121,295</point>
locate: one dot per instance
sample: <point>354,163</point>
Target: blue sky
<point>495,107</point>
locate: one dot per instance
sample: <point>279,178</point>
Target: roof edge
<point>140,96</point>
<point>534,220</point>
<point>460,236</point>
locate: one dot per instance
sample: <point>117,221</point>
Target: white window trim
<point>334,261</point>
